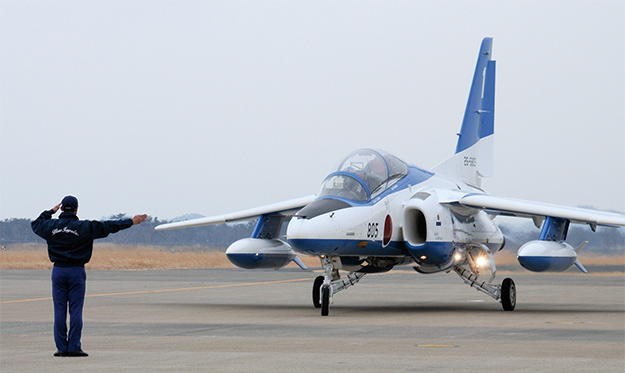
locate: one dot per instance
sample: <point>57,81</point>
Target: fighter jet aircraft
<point>375,212</point>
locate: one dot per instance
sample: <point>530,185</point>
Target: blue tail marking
<point>479,115</point>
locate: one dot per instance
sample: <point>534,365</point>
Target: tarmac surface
<point>237,320</point>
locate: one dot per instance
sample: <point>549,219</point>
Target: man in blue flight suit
<point>70,245</point>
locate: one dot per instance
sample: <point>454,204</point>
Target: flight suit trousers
<point>68,291</point>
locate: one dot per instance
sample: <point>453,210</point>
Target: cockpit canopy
<point>363,175</point>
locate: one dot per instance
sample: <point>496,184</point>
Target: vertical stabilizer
<point>474,152</point>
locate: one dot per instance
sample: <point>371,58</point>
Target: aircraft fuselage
<point>406,221</point>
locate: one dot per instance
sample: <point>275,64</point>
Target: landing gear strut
<point>506,291</point>
<point>331,283</point>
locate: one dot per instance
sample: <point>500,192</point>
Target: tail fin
<point>474,152</point>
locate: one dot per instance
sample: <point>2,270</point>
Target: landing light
<point>458,257</point>
<point>481,261</point>
<point>423,257</point>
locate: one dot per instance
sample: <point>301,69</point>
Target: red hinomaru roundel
<point>388,230</point>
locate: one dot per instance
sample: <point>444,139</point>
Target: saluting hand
<point>138,219</point>
<point>56,208</point>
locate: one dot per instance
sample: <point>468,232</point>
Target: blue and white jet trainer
<point>375,212</point>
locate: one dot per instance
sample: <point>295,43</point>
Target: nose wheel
<point>325,300</point>
<point>324,287</point>
<point>321,295</point>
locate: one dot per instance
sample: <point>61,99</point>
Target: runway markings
<point>437,346</point>
<point>165,290</point>
<point>24,300</point>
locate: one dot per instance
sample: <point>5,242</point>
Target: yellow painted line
<point>166,290</point>
<point>24,300</point>
<point>437,346</point>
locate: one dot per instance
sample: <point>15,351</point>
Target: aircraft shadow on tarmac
<point>466,307</point>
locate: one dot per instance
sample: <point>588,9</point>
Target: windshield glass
<point>363,174</point>
<point>344,186</point>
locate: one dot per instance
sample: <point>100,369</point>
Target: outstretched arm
<point>102,229</point>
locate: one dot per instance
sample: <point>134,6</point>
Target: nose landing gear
<point>324,287</point>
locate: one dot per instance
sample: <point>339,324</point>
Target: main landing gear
<point>508,294</point>
<point>324,287</point>
<point>506,291</point>
<point>331,283</point>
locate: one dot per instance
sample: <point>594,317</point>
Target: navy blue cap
<point>69,203</point>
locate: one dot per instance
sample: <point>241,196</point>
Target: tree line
<point>14,231</point>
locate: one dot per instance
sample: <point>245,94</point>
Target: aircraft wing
<point>538,211</point>
<point>280,208</point>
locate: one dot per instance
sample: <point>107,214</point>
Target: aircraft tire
<point>325,301</point>
<point>508,294</point>
<point>316,291</point>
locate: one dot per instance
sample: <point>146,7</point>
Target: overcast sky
<point>175,107</point>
